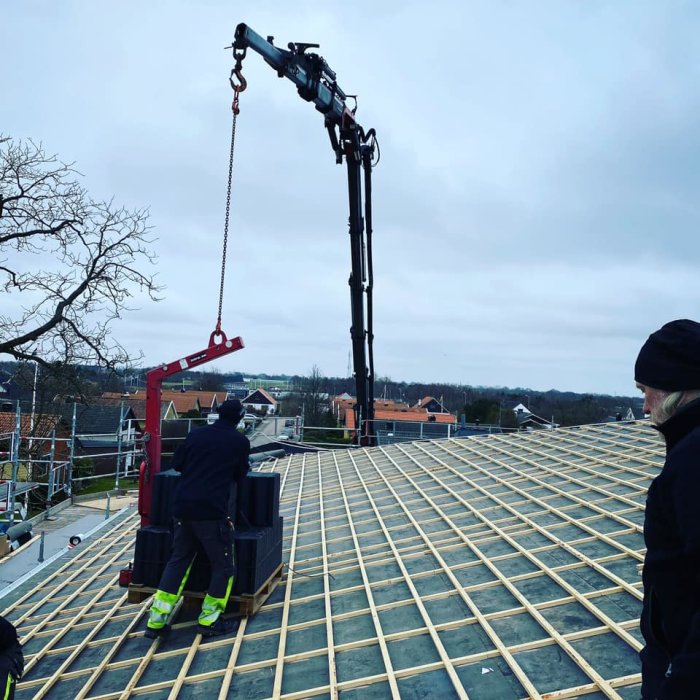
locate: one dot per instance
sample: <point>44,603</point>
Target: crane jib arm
<point>309,72</point>
<point>316,83</point>
<point>152,433</point>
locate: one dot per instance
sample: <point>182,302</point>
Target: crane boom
<point>316,83</point>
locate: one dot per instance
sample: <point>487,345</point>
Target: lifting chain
<point>238,87</point>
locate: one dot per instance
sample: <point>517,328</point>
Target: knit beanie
<point>231,410</point>
<point>670,358</point>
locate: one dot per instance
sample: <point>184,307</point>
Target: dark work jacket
<point>670,620</point>
<point>11,657</point>
<point>213,460</point>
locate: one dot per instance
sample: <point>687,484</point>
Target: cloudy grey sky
<point>535,208</point>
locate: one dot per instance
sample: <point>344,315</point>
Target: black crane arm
<point>314,79</point>
<point>317,83</point>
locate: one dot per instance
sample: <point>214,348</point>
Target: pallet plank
<point>244,605</point>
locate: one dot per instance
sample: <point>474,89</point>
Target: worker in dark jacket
<point>213,461</point>
<point>668,373</point>
<point>11,659</point>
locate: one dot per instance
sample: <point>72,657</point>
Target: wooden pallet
<point>240,605</point>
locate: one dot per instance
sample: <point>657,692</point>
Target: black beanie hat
<point>231,410</point>
<point>670,359</point>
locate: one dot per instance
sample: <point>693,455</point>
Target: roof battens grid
<point>391,676</point>
<point>501,647</point>
<point>279,667</point>
<point>610,624</point>
<point>186,664</point>
<point>566,440</point>
<point>109,586</point>
<point>579,522</point>
<point>100,667</point>
<point>579,440</point>
<point>143,664</point>
<point>87,582</point>
<point>333,679</point>
<point>417,511</point>
<point>84,610</point>
<point>421,549</point>
<point>600,682</point>
<point>350,489</point>
<point>593,472</point>
<point>83,553</point>
<point>286,473</point>
<point>58,674</point>
<point>630,588</point>
<point>571,495</point>
<point>459,688</point>
<point>642,437</point>
<point>231,664</point>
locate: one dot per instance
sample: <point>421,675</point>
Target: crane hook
<point>242,82</point>
<point>238,88</point>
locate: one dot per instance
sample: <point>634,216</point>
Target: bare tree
<point>315,401</point>
<point>68,264</point>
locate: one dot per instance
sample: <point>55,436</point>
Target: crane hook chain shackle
<point>242,84</point>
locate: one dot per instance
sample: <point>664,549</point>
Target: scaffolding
<point>47,466</point>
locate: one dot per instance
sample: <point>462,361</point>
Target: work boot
<point>219,628</point>
<point>161,633</point>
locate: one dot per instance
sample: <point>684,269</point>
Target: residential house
<point>399,422</point>
<point>260,401</point>
<point>105,432</point>
<point>431,405</point>
<point>622,415</point>
<point>340,404</point>
<point>529,421</point>
<point>137,401</point>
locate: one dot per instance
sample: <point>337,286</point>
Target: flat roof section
<point>490,568</point>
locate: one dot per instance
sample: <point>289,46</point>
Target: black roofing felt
<point>494,568</point>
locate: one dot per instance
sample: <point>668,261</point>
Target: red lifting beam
<point>152,436</point>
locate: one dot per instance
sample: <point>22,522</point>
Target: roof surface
<point>414,416</point>
<point>41,424</point>
<point>98,417</point>
<point>492,568</point>
<point>260,396</point>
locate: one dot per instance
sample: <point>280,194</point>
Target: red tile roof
<point>43,424</point>
<point>184,401</point>
<point>415,416</point>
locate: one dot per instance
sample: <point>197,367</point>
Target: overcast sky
<point>535,207</point>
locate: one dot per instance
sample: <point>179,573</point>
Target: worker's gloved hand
<point>17,665</point>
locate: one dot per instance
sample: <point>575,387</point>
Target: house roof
<point>388,405</point>
<point>138,405</point>
<point>532,418</point>
<point>406,416</point>
<point>97,418</point>
<point>379,404</point>
<point>260,396</point>
<point>414,416</point>
<point>495,568</point>
<point>43,425</point>
<point>209,399</point>
<point>184,401</point>
<point>426,400</point>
